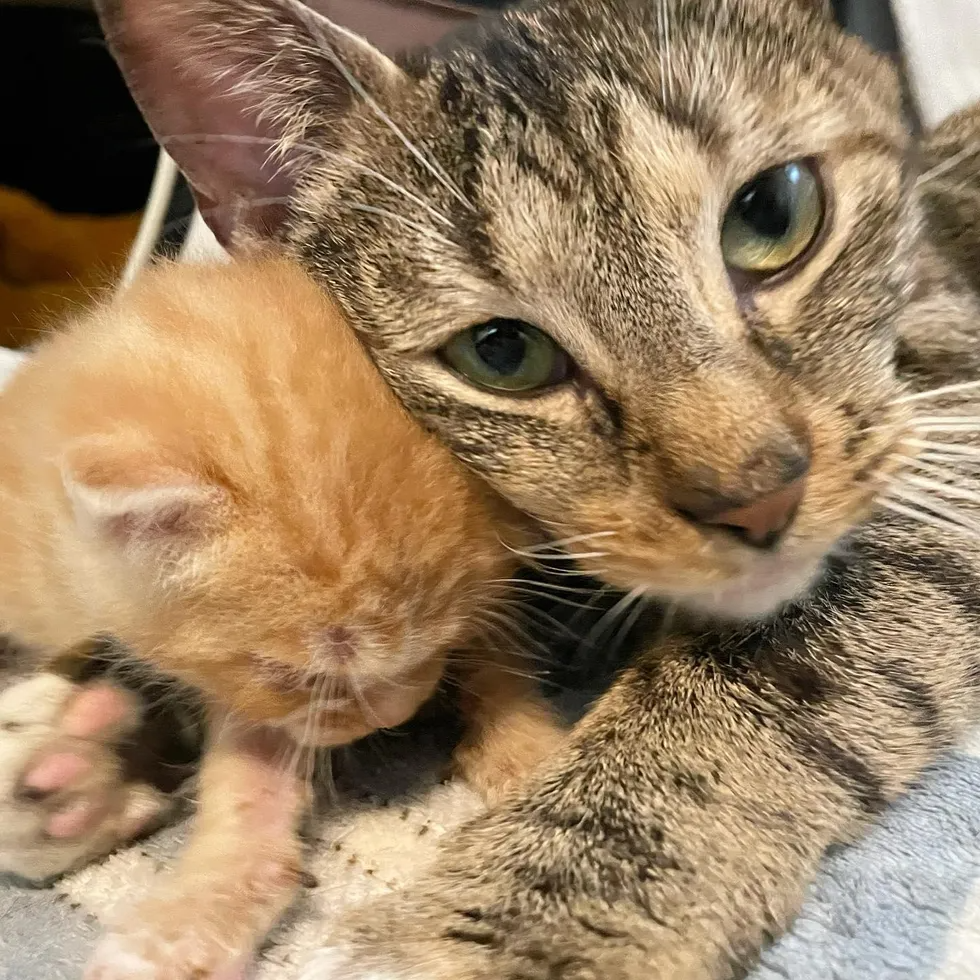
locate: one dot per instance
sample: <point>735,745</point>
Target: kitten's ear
<point>235,90</point>
<point>131,503</point>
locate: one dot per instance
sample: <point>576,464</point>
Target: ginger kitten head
<point>639,264</point>
<point>277,530</point>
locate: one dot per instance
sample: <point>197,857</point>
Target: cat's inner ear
<point>129,502</point>
<point>239,91</point>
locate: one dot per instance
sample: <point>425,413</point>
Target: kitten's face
<point>637,263</point>
<point>329,617</point>
<point>687,339</point>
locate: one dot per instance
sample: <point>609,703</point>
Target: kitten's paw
<point>503,758</point>
<point>156,955</point>
<point>64,800</point>
<point>177,938</point>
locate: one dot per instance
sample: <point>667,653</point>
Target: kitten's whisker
<point>575,538</point>
<point>311,18</point>
<point>401,219</point>
<point>558,555</point>
<point>362,702</point>
<point>545,584</point>
<point>952,389</point>
<point>946,419</point>
<point>543,594</point>
<point>966,426</point>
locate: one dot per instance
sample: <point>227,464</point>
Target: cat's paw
<point>64,798</point>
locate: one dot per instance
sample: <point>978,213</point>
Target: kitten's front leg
<point>239,873</point>
<point>509,727</point>
<point>677,831</point>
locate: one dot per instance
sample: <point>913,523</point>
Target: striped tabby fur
<point>569,164</point>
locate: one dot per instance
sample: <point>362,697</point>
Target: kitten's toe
<point>178,938</point>
<point>63,796</point>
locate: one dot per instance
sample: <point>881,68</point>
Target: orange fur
<point>210,469</point>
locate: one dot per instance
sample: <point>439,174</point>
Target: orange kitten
<point>210,469</point>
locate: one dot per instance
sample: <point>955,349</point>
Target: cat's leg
<point>509,726</point>
<point>239,873</point>
<point>65,795</point>
<point>677,831</point>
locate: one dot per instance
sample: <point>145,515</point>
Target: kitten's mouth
<point>334,708</point>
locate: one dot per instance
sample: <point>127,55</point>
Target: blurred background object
<point>83,187</point>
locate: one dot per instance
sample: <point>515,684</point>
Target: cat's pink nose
<point>762,522</point>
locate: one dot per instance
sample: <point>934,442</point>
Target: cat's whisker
<point>929,466</point>
<point>317,151</point>
<point>950,490</point>
<point>629,621</point>
<point>922,501</point>
<point>924,517</point>
<point>950,163</point>
<point>401,219</point>
<point>948,448</point>
<point>951,389</point>
<point>310,17</point>
<point>621,608</point>
<point>950,425</point>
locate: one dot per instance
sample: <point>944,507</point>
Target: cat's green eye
<point>508,356</point>
<point>773,219</point>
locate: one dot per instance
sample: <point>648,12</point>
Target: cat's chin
<point>762,590</point>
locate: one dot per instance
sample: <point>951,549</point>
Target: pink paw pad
<point>55,772</point>
<point>74,820</point>
<point>97,709</point>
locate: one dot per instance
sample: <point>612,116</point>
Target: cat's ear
<point>236,91</point>
<point>132,504</point>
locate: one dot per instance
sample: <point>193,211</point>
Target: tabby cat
<point>675,279</point>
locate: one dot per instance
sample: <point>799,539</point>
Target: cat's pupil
<point>501,345</point>
<point>767,205</point>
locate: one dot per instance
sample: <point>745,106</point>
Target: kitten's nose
<point>760,522</point>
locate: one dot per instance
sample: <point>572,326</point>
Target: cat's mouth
<point>768,584</point>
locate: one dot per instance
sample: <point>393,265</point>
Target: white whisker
<point>926,483</point>
<point>938,392</point>
<point>925,502</point>
<point>401,219</point>
<point>924,518</point>
<point>947,165</point>
<point>313,150</point>
<point>311,18</point>
<point>949,448</point>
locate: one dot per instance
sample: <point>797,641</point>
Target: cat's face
<point>640,268</point>
<point>328,617</point>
